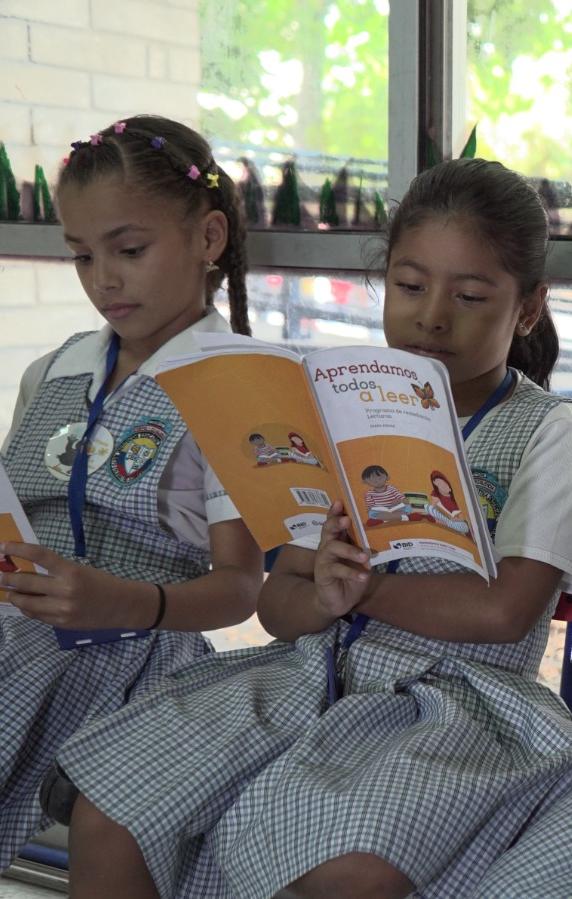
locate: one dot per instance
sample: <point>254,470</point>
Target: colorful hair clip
<point>158,143</point>
<point>65,160</point>
<point>120,127</point>
<point>96,139</point>
<point>212,179</point>
<point>193,173</point>
<point>76,144</point>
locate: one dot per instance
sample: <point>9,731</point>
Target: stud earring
<point>522,329</point>
<point>210,266</point>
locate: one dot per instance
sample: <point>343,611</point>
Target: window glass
<point>305,310</point>
<point>292,94</point>
<point>519,60</point>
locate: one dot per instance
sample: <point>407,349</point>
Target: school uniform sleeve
<point>191,497</point>
<point>31,381</point>
<point>536,521</point>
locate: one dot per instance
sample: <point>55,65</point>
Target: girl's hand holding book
<point>75,596</point>
<point>341,571</point>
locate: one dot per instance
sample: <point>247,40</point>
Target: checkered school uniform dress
<point>538,866</point>
<point>236,778</point>
<point>48,693</point>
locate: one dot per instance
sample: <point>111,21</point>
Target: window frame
<point>427,59</point>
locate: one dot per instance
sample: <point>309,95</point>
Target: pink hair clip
<point>120,127</point>
<point>193,173</point>
<point>65,160</point>
<point>96,139</point>
<point>212,179</point>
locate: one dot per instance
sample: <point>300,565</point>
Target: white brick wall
<point>88,51</point>
<point>23,82</point>
<point>41,304</point>
<point>69,68</point>
<point>155,21</point>
<point>15,124</point>
<point>70,12</point>
<point>14,37</point>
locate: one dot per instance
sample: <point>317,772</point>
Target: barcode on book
<point>308,497</point>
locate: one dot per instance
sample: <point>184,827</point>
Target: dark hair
<point>373,469</point>
<point>254,437</point>
<point>154,155</point>
<point>508,214</point>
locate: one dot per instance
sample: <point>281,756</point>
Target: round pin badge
<point>63,445</point>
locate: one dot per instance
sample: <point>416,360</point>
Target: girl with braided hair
<point>137,535</point>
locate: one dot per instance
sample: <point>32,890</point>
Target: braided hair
<point>165,158</point>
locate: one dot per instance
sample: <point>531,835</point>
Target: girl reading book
<point>393,739</point>
<point>298,451</point>
<point>131,518</point>
<point>442,505</point>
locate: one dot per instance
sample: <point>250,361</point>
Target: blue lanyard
<point>360,620</point>
<point>496,397</point>
<point>78,477</point>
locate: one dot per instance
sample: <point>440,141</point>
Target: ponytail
<point>536,354</point>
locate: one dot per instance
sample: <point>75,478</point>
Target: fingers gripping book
<point>14,526</point>
<point>374,427</point>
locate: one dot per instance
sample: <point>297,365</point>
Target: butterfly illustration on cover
<point>426,395</point>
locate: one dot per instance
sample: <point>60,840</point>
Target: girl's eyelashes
<point>418,289</point>
<point>471,298</point>
<point>129,252</point>
<point>133,252</point>
<point>409,288</point>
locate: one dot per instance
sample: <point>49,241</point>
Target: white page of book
<point>14,524</point>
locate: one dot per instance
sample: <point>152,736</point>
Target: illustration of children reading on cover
<point>265,453</point>
<point>383,501</point>
<point>442,506</point>
<point>298,451</point>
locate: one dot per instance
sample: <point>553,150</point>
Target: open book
<point>371,426</point>
<point>14,525</point>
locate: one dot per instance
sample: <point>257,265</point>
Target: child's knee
<point>89,823</point>
<point>352,876</point>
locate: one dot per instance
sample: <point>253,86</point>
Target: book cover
<point>372,426</point>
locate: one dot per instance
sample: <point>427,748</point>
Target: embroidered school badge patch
<point>492,496</point>
<point>137,450</point>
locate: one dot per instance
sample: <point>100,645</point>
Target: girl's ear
<point>215,234</point>
<point>531,310</point>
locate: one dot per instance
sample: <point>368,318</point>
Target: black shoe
<point>58,795</point>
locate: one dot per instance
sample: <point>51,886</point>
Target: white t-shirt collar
<point>88,355</point>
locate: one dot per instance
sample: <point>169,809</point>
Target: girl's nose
<point>433,315</point>
<point>105,278</point>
